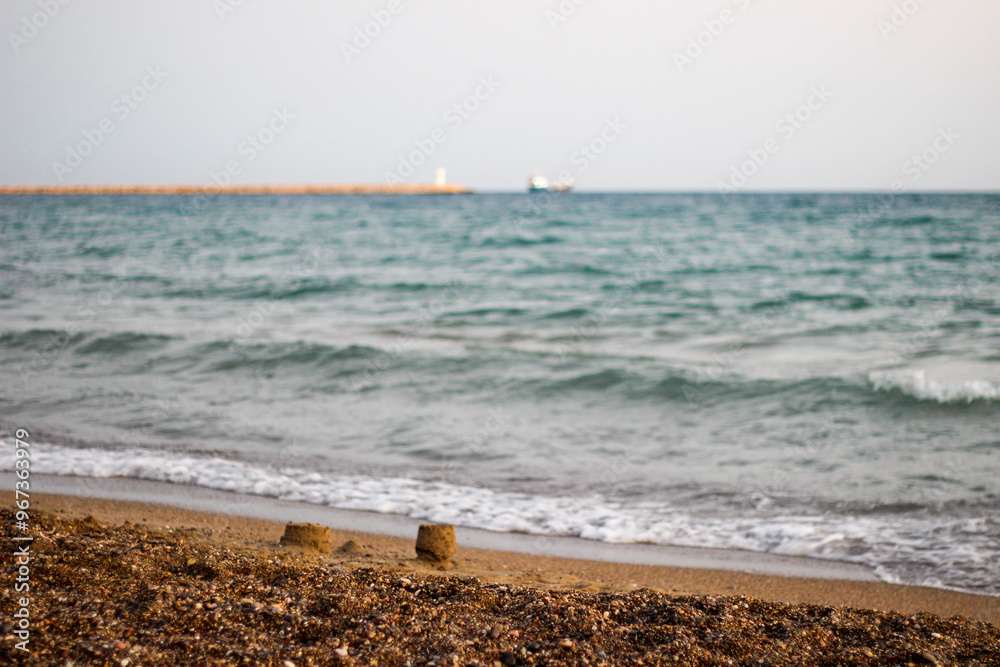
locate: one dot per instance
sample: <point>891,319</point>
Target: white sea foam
<point>918,385</point>
<point>958,553</point>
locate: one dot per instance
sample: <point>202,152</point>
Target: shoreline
<point>215,501</point>
<point>560,563</point>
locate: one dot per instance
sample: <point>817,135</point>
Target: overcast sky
<point>619,94</point>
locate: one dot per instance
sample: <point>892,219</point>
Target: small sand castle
<point>308,537</point>
<point>436,543</point>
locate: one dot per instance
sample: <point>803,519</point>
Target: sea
<point>802,374</point>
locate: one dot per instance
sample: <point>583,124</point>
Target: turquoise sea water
<point>804,374</point>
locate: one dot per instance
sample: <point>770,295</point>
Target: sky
<point>632,95</point>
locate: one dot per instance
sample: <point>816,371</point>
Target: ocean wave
<point>217,356</point>
<point>699,385</point>
<point>571,313</point>
<point>100,251</point>
<point>250,290</point>
<point>291,356</point>
<point>907,220</point>
<point>916,384</point>
<point>314,286</point>
<point>680,387</point>
<point>485,313</point>
<point>597,381</point>
<point>39,339</point>
<point>838,301</point>
<point>521,241</point>
<point>956,552</point>
<point>126,342</point>
<point>549,269</point>
<point>952,256</point>
<point>417,286</point>
<point>41,344</point>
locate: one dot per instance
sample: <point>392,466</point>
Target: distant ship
<point>539,183</point>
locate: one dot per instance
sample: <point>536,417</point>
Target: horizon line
<point>415,188</point>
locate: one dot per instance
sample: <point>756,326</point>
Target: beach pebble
<point>372,616</point>
<point>436,542</point>
<point>308,536</point>
<point>932,658</point>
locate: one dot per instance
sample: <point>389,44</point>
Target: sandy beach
<point>234,595</point>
